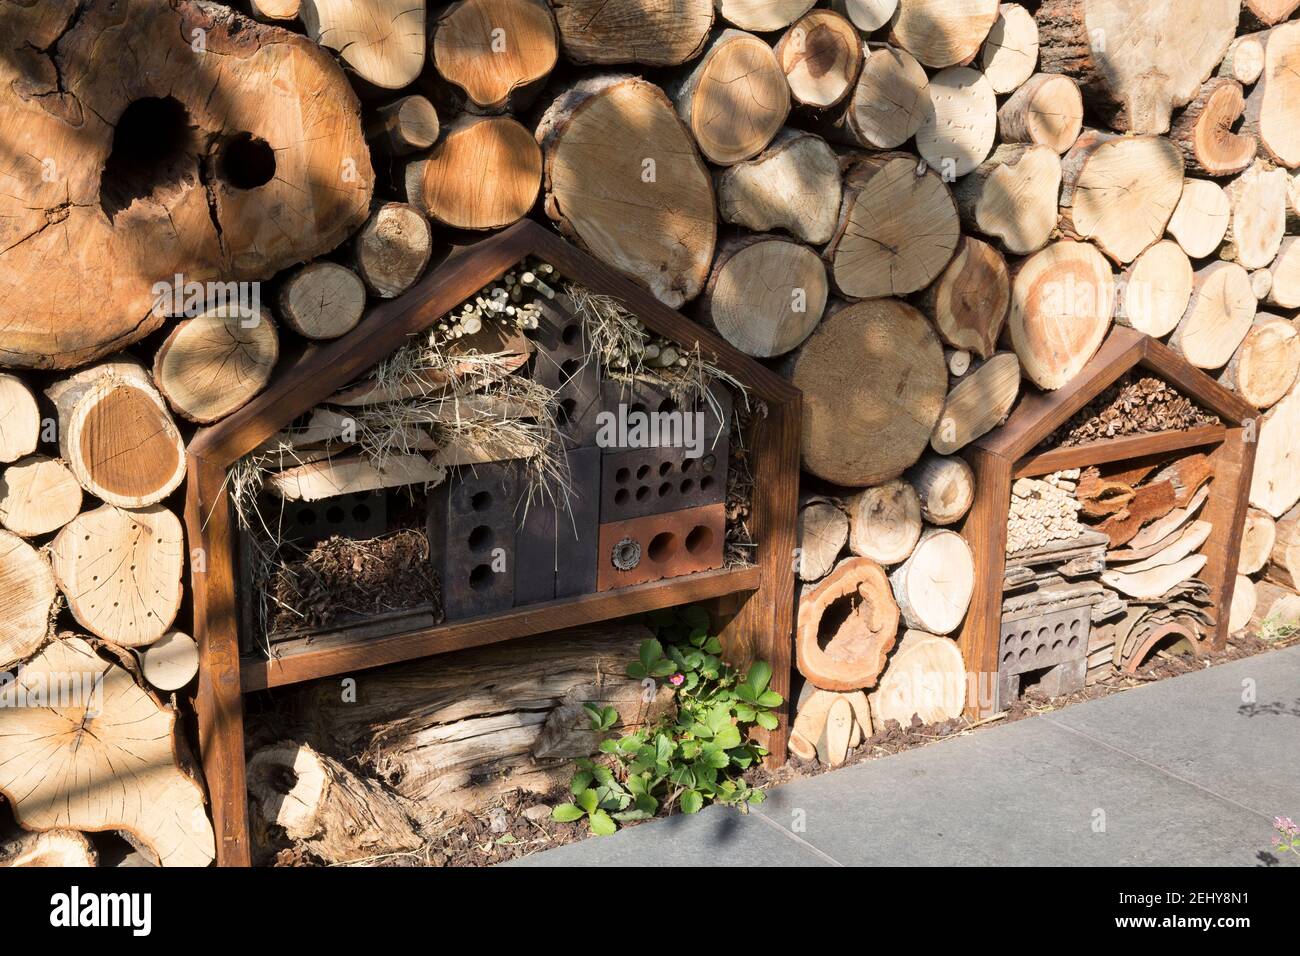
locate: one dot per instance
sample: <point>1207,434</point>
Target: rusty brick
<point>639,482</point>
<point>664,546</point>
<point>472,526</point>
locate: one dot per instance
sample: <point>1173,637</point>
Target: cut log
<point>215,363</point>
<point>958,361</point>
<point>897,230</point>
<point>1261,283</point>
<point>762,16</point>
<point>1149,503</point>
<point>961,124</point>
<point>1284,558</point>
<point>1046,111</point>
<point>27,594</point>
<point>977,404</point>
<point>1010,53</point>
<point>873,381</point>
<point>1201,219</point>
<point>270,11</point>
<point>945,486</point>
<point>847,625</point>
<point>1275,486</point>
<point>1149,585</point>
<point>1244,61</point>
<point>970,300</point>
<point>823,532</point>
<point>1284,291</point>
<point>934,585</point>
<point>325,809</point>
<point>793,185</point>
<point>170,662</point>
<point>38,495</point>
<point>1266,365</point>
<point>1266,13</point>
<point>100,755</point>
<point>483,174</point>
<point>836,735</point>
<point>1270,105</point>
<point>1062,301</point>
<point>20,419</point>
<point>624,179</point>
<point>154,154</point>
<point>888,104</point>
<point>1219,315</point>
<point>496,53</point>
<point>926,679</point>
<point>884,522</point>
<point>322,300</point>
<point>61,848</point>
<point>1259,211</point>
<point>943,33</point>
<point>1244,600</point>
<point>1120,191</point>
<point>405,125</point>
<point>353,474</point>
<point>813,710</point>
<point>382,41</point>
<point>655,33</point>
<point>392,249</point>
<point>117,436</point>
<point>1257,538</point>
<point>734,99</point>
<point>820,56</point>
<point>121,572</point>
<point>1155,291</point>
<point>1012,197</point>
<point>1204,131</point>
<point>867,15</point>
<point>766,294</point>
<point>1140,81</point>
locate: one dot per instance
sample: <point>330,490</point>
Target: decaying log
<point>762,16</point>
<point>382,41</point>
<point>27,594</point>
<point>1046,111</point>
<point>961,124</point>
<point>934,585</point>
<point>406,125</point>
<point>793,185</point>
<point>1154,292</point>
<point>1257,538</point>
<point>20,419</point>
<point>1259,213</point>
<point>847,624</point>
<point>38,495</point>
<point>322,300</point>
<point>887,104</point>
<point>1010,53</point>
<point>823,532</point>
<point>216,362</point>
<point>945,486</point>
<point>1219,314</point>
<point>887,355</point>
<point>101,759</point>
<point>495,53</point>
<point>926,678</point>
<point>1204,131</point>
<point>170,662</point>
<point>1152,584</point>
<point>392,249</point>
<point>61,848</point>
<point>980,402</point>
<point>117,436</point>
<point>1201,219</point>
<point>1271,104</point>
<point>969,301</point>
<point>820,56</point>
<point>623,178</point>
<point>941,33</point>
<point>1284,559</point>
<point>652,32</point>
<point>884,522</point>
<point>1266,365</point>
<point>1275,487</point>
<point>1012,196</point>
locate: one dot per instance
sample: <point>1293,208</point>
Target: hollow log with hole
<point>847,624</point>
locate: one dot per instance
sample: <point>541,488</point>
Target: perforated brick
<point>472,538</point>
<point>656,547</point>
<point>561,363</point>
<point>556,546</point>
<point>1056,642</point>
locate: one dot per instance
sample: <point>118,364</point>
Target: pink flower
<point>1286,826</point>
<point>677,680</point>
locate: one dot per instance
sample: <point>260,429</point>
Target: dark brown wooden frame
<point>754,604</point>
<point>1008,453</point>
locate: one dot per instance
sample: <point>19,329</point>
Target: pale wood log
<point>958,361</point>
<point>1148,585</point>
<point>813,708</point>
<point>483,173</point>
<point>1284,559</point>
<point>103,760</point>
<point>897,231</point>
<point>887,355</point>
<point>54,848</point>
<point>823,531</point>
<point>793,185</point>
<point>765,295</point>
<point>27,594</point>
<point>1271,104</point>
<point>934,585</point>
<point>1010,53</point>
<point>121,572</point>
<point>961,124</point>
<point>651,32</point>
<point>1201,218</point>
<point>170,662</point>
<point>392,249</point>
<point>1244,61</point>
<point>1012,197</point>
<point>1062,301</point>
<point>1219,314</point>
<point>867,15</point>
<point>20,419</point>
<point>1266,365</point>
<point>978,403</point>
<point>846,626</point>
<point>1266,13</point>
<point>734,99</point>
<point>943,33</point>
<point>887,105</point>
<point>1257,538</point>
<point>1155,291</point>
<point>1141,80</point>
<point>1245,598</point>
<point>970,300</point>
<point>38,495</point>
<point>1275,486</point>
<point>945,486</point>
<point>836,735</point>
<point>1047,110</point>
<point>117,436</point>
<point>820,56</point>
<point>382,41</point>
<point>1204,130</point>
<point>884,522</point>
<point>406,125</point>
<point>217,362</point>
<point>1284,291</point>
<point>496,54</point>
<point>1259,213</point>
<point>762,16</point>
<point>926,678</point>
<point>347,475</point>
<point>655,222</point>
<point>1261,283</point>
<point>322,300</point>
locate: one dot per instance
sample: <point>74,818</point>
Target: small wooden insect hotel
<point>522,443</point>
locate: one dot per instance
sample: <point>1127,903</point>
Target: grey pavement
<point>1189,771</point>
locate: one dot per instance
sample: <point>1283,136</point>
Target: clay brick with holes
<point>472,538</point>
<point>555,549</point>
<point>645,397</point>
<point>561,363</point>
<point>650,481</point>
<point>1052,645</point>
<point>656,547</point>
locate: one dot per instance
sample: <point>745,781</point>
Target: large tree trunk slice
<point>38,495</point>
<point>652,32</point>
<point>926,678</point>
<point>218,362</point>
<point>766,294</point>
<point>483,174</point>
<point>853,614</point>
<point>935,584</point>
<point>494,51</point>
<point>27,594</point>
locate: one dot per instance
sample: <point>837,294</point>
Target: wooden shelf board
<point>352,649</point>
<point>1118,449</point>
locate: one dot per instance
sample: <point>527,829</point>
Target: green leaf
<point>566,813</point>
<point>695,616</point>
<point>692,802</point>
<point>682,777</point>
<point>637,671</point>
<point>746,693</point>
<point>580,782</point>
<point>770,698</point>
<point>664,668</point>
<point>609,717</point>
<point>717,759</point>
<point>766,721</point>
<point>728,737</point>
<point>759,674</point>
<point>627,816</point>
<point>587,799</point>
<point>651,652</point>
<point>603,775</point>
<point>602,824</point>
<point>611,746</point>
<point>713,646</point>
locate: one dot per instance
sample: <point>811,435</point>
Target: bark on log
<point>496,54</point>
<point>897,229</point>
<point>121,572</point>
<point>977,404</point>
<point>1275,487</point>
<point>867,15</point>
<point>846,627</point>
<point>820,55</point>
<point>1284,559</point>
<point>762,16</point>
<point>406,125</point>
<point>1046,111</point>
<point>1257,538</point>
<point>793,185</point>
<point>117,436</point>
<point>1270,107</point>
<point>765,295</point>
<point>970,300</point>
<point>1219,315</point>
<point>1010,53</point>
<point>926,679</point>
<point>888,103</point>
<point>961,124</point>
<point>887,355</point>
<point>1142,79</point>
<point>1266,365</point>
<point>27,594</point>
<point>1012,197</point>
<point>1244,61</point>
<point>20,419</point>
<point>392,249</point>
<point>38,495</point>
<point>934,585</point>
<point>483,174</point>
<point>943,33</point>
<point>601,139</point>
<point>1149,503</point>
<point>343,475</point>
<point>1259,213</point>
<point>198,166</point>
<point>884,522</point>
<point>734,99</point>
<point>1062,301</point>
<point>322,300</point>
<point>61,848</point>
<point>823,532</point>
<point>170,662</point>
<point>1154,292</point>
<point>1120,191</point>
<point>651,32</point>
<point>945,486</point>
<point>1204,132</point>
<point>382,41</point>
<point>1201,219</point>
<point>215,363</point>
